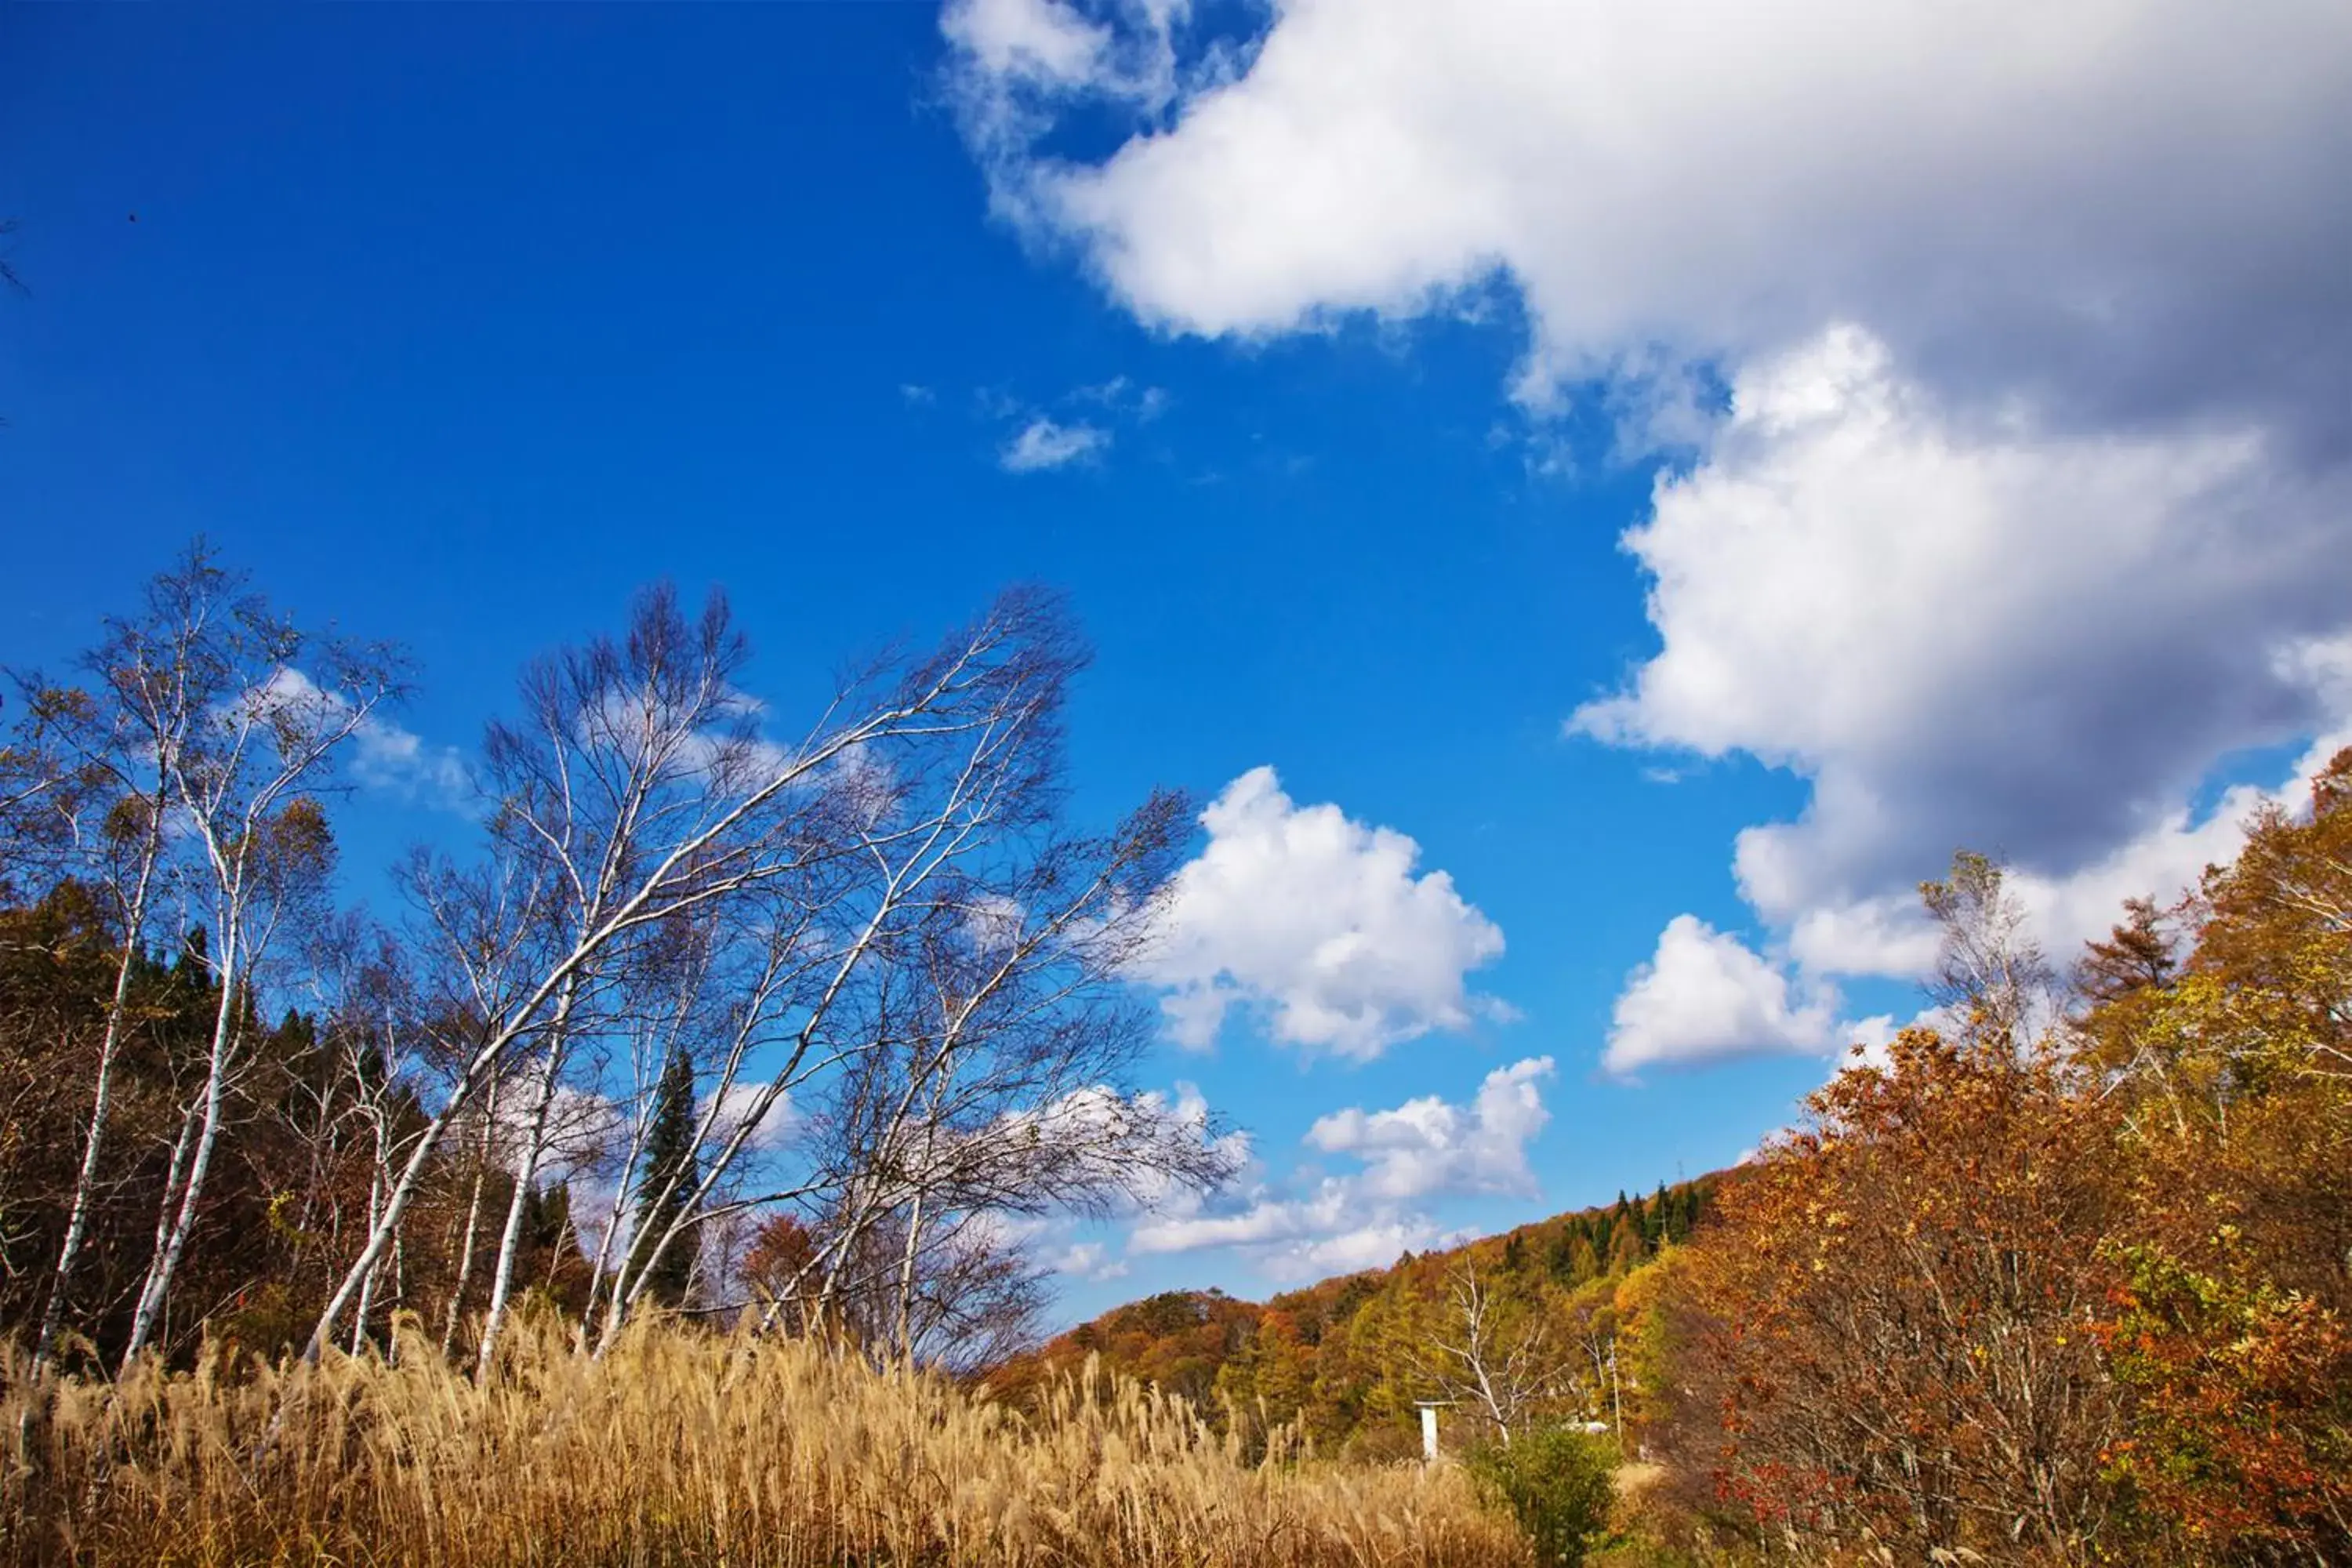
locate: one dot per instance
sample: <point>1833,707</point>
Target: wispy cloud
<point>1045,443</point>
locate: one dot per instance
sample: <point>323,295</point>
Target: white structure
<point>1429,1409</point>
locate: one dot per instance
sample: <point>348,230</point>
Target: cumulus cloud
<point>1126,1144</point>
<point>1089,1260</point>
<point>389,757</point>
<point>1706,996</point>
<point>1993,636</point>
<point>2028,507</point>
<point>1319,921</point>
<point>2127,210</point>
<point>1332,1230</point>
<point>1045,443</point>
<point>1426,1149</point>
<point>1429,1145</point>
<point>2070,909</point>
<point>1022,40</point>
<point>1374,1244</point>
<point>383,755</point>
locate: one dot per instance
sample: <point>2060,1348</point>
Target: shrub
<point>1558,1482</point>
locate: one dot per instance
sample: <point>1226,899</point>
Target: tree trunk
<point>472,1225</point>
<point>510,1240</point>
<point>174,1233</point>
<point>367,1291</point>
<point>85,1191</point>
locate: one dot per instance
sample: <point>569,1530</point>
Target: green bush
<point>1556,1481</point>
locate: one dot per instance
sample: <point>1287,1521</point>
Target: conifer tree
<point>669,1181</point>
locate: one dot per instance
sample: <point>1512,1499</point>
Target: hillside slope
<point>1343,1358</point>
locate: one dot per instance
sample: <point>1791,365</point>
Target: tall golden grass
<point>677,1448</point>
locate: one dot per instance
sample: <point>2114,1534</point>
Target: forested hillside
<point>1344,1360</point>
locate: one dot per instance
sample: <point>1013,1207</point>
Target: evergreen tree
<point>669,1181</point>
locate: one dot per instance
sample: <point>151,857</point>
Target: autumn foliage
<point>1342,1361</point>
<point>2065,1280</point>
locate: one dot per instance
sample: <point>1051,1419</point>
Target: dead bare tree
<point>1496,1354</point>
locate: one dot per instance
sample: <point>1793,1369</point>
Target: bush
<point>1557,1481</point>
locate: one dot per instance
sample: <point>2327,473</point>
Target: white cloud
<point>1704,997</point>
<point>1332,1230</point>
<point>1043,444</point>
<point>2163,862</point>
<point>1708,997</point>
<point>1994,636</point>
<point>1088,1260</point>
<point>1125,1144</point>
<point>582,1127</point>
<point>2127,208</point>
<point>1429,1145</point>
<point>1123,399</point>
<point>995,923</point>
<point>383,755</point>
<point>388,757</point>
<point>2030,507</point>
<point>1321,921</point>
<point>1028,39</point>
<point>1264,1219</point>
<point>1424,1148</point>
<point>1890,934</point>
<point>738,1103</point>
<point>1373,1246</point>
<point>1082,429</point>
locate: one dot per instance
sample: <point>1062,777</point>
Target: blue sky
<point>1326,358</point>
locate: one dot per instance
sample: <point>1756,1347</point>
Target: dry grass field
<point>678,1448</point>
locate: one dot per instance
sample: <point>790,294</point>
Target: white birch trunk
<point>526,1173</point>
<point>173,1234</point>
<point>472,1225</point>
<point>102,1101</point>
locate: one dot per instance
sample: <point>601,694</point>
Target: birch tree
<point>975,1032</point>
<point>267,706</point>
<point>1495,1352</point>
<point>702,811</point>
<point>481,934</point>
<point>92,788</point>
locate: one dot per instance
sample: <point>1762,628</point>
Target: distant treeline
<point>1345,1360</point>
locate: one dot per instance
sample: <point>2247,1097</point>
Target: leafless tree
<point>1496,1354</point>
<point>655,793</point>
<point>1990,972</point>
<point>90,789</point>
<point>966,1026</point>
<point>266,708</point>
